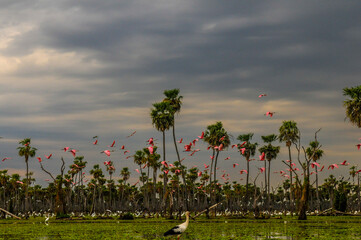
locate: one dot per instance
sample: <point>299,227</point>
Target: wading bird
<point>179,229</point>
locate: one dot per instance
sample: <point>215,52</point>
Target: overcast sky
<point>70,70</point>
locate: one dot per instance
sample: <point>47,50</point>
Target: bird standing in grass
<point>179,229</point>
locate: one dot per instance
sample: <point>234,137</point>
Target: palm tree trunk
<point>183,173</point>
<point>215,166</point>
<point>291,179</point>
<point>27,185</point>
<point>265,176</point>
<point>358,192</point>
<point>165,178</point>
<point>317,193</point>
<point>268,191</point>
<point>247,182</point>
<point>210,170</point>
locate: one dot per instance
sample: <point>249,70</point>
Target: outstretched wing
<point>174,231</point>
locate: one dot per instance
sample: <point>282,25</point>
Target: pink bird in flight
<point>269,114</point>
<point>262,95</point>
<point>201,136</point>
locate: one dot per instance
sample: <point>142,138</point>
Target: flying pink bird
<point>151,150</point>
<point>39,159</point>
<point>180,141</point>
<point>322,168</point>
<point>107,163</point>
<point>188,147</point>
<point>122,147</point>
<point>131,134</point>
<point>222,138</point>
<point>164,163</point>
<point>234,145</point>
<point>73,151</point>
<point>125,152</point>
<point>243,171</point>
<point>344,163</point>
<point>137,170</point>
<point>48,157</point>
<point>243,150</point>
<point>171,165</point>
<point>243,144</point>
<point>107,152</point>
<point>262,95</point>
<point>332,166</point>
<point>6,158</point>
<point>151,141</point>
<point>19,182</point>
<point>227,158</point>
<point>262,169</point>
<point>262,156</point>
<point>166,171</point>
<point>112,144</point>
<point>95,142</point>
<point>199,173</point>
<point>212,157</point>
<point>194,141</point>
<point>205,166</point>
<point>201,136</point>
<point>315,164</point>
<point>235,164</point>
<point>66,149</point>
<point>269,114</point>
<point>358,146</point>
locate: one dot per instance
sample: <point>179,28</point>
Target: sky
<point>73,70</point>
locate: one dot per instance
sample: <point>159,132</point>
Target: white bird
<point>179,229</point>
<point>47,219</point>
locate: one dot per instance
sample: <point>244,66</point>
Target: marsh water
<point>289,228</point>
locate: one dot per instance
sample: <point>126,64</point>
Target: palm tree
<point>271,152</point>
<point>172,97</point>
<point>139,159</point>
<point>162,119</point>
<point>26,151</point>
<point>313,152</point>
<point>353,105</point>
<point>289,134</point>
<point>216,136</point>
<point>125,174</point>
<point>250,151</point>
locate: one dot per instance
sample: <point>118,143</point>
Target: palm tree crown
<point>353,105</point>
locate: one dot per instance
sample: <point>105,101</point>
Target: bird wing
<point>174,231</point>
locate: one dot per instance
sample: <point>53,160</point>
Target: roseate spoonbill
<point>112,144</point>
<point>48,157</point>
<point>131,134</point>
<point>19,182</point>
<point>126,151</point>
<point>6,158</point>
<point>166,171</point>
<point>65,149</point>
<point>212,157</point>
<point>243,144</point>
<point>199,173</point>
<point>171,165</point>
<point>39,159</point>
<point>151,150</point>
<point>262,95</point>
<point>243,150</point>
<point>95,142</point>
<point>234,145</point>
<point>180,141</point>
<point>194,141</point>
<point>235,164</point>
<point>262,169</point>
<point>262,156</point>
<point>269,114</point>
<point>188,147</point>
<point>227,158</point>
<point>201,136</point>
<point>358,146</point>
<point>205,166</point>
<point>179,229</point>
<point>150,141</point>
<point>122,147</point>
<point>243,171</point>
<point>315,164</point>
<point>344,163</point>
<point>333,166</point>
<point>222,138</point>
<point>107,152</point>
<point>322,168</point>
<point>73,151</point>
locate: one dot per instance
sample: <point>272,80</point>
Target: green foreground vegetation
<point>220,228</point>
